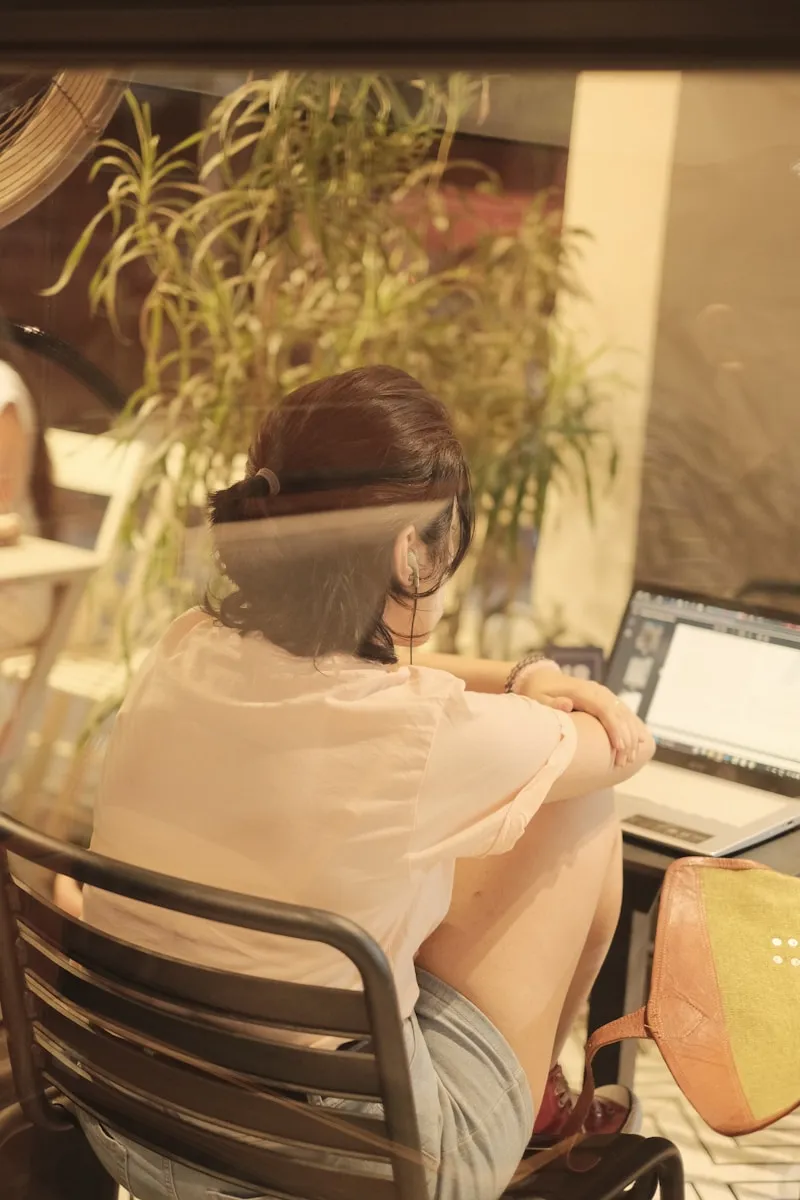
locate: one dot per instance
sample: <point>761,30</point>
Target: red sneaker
<point>614,1109</point>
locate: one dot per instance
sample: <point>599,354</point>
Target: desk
<point>68,569</point>
<point>623,982</point>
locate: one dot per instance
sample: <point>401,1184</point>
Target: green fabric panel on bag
<point>745,911</point>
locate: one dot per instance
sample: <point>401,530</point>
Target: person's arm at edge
<point>13,446</point>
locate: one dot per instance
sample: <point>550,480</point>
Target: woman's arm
<point>548,685</point>
<point>595,765</point>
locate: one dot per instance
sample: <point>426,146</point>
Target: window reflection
<point>502,280</point>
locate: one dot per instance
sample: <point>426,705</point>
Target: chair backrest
<point>146,1043</point>
<point>97,465</point>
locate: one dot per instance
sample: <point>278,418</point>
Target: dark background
<point>574,33</point>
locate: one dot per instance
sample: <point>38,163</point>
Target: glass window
<point>593,272</point>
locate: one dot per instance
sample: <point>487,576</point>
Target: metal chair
<point>53,348</point>
<point>145,1044</point>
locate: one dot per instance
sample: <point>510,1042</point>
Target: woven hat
<point>47,125</point>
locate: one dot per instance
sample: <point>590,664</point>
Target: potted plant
<point>289,239</point>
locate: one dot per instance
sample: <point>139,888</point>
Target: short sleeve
<point>492,762</point>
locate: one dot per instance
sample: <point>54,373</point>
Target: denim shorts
<point>473,1103</point>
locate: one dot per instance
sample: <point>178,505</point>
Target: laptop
<point>718,685</point>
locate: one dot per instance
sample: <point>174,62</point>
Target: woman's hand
<point>625,730</point>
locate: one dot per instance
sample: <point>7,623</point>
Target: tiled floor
<point>764,1166</point>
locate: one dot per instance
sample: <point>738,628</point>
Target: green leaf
<point>75,255</point>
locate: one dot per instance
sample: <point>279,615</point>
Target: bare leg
<point>527,931</point>
<point>594,954</point>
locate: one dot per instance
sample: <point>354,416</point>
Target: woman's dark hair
<point>349,462</point>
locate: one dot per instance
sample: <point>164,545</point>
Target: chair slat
<point>215,1152</point>
<point>339,1073</point>
<point>274,1002</point>
<point>186,1060</point>
<point>191,1091</point>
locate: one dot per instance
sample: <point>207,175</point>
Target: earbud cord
<point>413,619</point>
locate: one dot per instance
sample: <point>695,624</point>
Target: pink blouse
<point>341,785</point>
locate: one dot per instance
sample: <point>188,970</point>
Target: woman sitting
<point>273,744</point>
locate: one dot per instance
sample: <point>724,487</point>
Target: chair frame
<point>94,464</point>
<point>19,1003</point>
<point>69,593</point>
<point>64,987</point>
<point>54,349</point>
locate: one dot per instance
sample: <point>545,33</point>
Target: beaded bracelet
<point>529,660</point>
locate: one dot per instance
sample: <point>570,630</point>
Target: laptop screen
<point>719,687</point>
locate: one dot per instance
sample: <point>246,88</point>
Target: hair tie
<point>273,482</point>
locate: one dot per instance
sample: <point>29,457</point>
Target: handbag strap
<point>634,1025</point>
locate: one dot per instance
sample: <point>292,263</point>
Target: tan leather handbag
<point>724,1004</point>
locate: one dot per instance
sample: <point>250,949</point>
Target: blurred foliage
<point>291,238</point>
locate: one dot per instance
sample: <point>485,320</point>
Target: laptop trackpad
<point>700,797</point>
